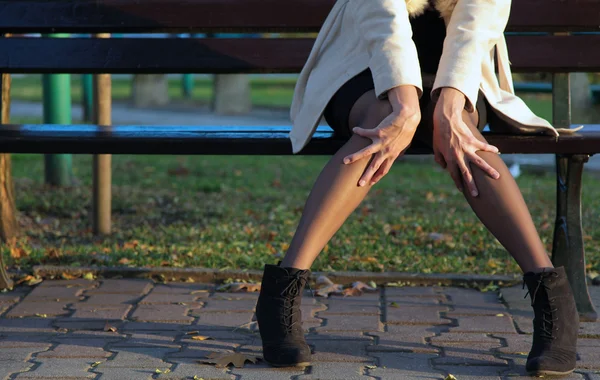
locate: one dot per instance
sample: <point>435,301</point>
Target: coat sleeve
<point>474,29</point>
<point>385,29</point>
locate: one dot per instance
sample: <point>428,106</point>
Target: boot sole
<point>301,364</point>
<point>549,373</point>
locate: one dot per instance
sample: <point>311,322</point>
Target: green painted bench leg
<point>568,249</point>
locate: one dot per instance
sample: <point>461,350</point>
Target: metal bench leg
<point>568,249</point>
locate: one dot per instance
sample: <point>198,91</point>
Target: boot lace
<point>295,284</point>
<point>547,308</point>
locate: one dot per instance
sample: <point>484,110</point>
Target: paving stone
<point>589,357</point>
<point>30,309</point>
<point>469,353</point>
<point>149,339</point>
<point>224,306</point>
<point>111,299</point>
<point>416,291</point>
<point>363,323</point>
<point>470,297</point>
<point>524,324</point>
<point>406,301</point>
<point>515,298</point>
<point>336,306</point>
<point>241,296</point>
<point>87,340</point>
<point>415,315</point>
<point>463,338</point>
<point>335,371</point>
<point>585,342</point>
<point>59,369</point>
<point>26,340</point>
<point>22,353</point>
<point>86,324</point>
<point>489,325</point>
<point>107,336</point>
<point>78,283</point>
<point>404,366</point>
<point>200,349</point>
<point>162,313</point>
<point>129,326</point>
<point>262,371</point>
<point>221,321</point>
<point>134,357</point>
<point>54,292</point>
<point>125,373</point>
<point>116,312</point>
<point>334,351</point>
<point>187,369</point>
<point>12,297</point>
<point>589,329</point>
<point>8,367</point>
<point>75,351</point>
<point>309,311</point>
<point>515,344</point>
<point>589,375</point>
<point>342,335</point>
<point>166,298</point>
<point>473,372</point>
<point>483,309</point>
<point>26,325</point>
<point>183,288</point>
<point>404,339</point>
<point>241,336</point>
<point>136,287</point>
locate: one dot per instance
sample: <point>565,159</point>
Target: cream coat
<point>376,34</point>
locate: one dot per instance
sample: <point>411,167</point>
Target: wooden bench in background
<point>556,52</point>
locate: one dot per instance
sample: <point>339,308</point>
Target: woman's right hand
<point>392,136</point>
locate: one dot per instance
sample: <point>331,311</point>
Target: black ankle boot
<point>279,317</point>
<point>555,325</point>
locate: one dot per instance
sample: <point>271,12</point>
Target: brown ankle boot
<point>555,325</point>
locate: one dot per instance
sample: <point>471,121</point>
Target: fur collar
<point>445,7</point>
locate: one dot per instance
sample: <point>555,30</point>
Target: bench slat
<point>184,140</point>
<point>133,16</point>
<point>243,55</point>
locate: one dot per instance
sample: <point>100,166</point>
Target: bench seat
<point>267,140</point>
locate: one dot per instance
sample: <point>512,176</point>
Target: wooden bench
<point>556,52</point>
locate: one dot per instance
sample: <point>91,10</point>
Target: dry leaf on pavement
<point>357,289</point>
<point>201,337</point>
<point>236,287</point>
<point>224,360</point>
<point>326,287</point>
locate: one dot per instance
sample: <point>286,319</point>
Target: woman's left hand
<point>454,144</point>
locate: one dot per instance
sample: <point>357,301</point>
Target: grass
<point>240,212</point>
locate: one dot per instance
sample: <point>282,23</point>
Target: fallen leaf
<point>180,171</point>
<point>500,315</point>
<point>370,366</point>
<point>394,304</point>
<point>197,378</point>
<point>88,276</point>
<point>110,328</point>
<point>131,244</point>
<point>199,291</point>
<point>67,276</point>
<point>327,287</point>
<point>450,377</point>
<point>357,289</point>
<point>41,315</point>
<point>224,360</point>
<point>192,332</point>
<point>17,252</point>
<point>124,261</point>
<point>236,287</point>
<point>201,337</point>
<point>96,364</point>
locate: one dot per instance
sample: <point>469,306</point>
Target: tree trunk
<point>150,90</point>
<point>231,94</point>
<point>8,212</point>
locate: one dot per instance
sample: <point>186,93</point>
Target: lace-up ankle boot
<point>555,324</point>
<point>279,317</point>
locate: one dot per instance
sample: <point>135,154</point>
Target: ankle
<point>537,270</point>
<point>291,263</point>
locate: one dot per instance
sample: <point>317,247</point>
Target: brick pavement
<point>137,329</point>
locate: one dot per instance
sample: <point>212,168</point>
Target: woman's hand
<point>454,145</point>
<point>391,137</point>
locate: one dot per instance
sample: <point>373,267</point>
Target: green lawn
<point>240,212</point>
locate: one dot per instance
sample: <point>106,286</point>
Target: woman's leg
<point>335,194</point>
<point>502,209</point>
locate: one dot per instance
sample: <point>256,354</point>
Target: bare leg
<point>335,194</point>
<point>502,209</point>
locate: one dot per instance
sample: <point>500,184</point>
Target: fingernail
<point>496,175</point>
<point>346,160</point>
<point>474,193</point>
<point>362,182</point>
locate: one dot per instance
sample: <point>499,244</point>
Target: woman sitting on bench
<point>387,72</point>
